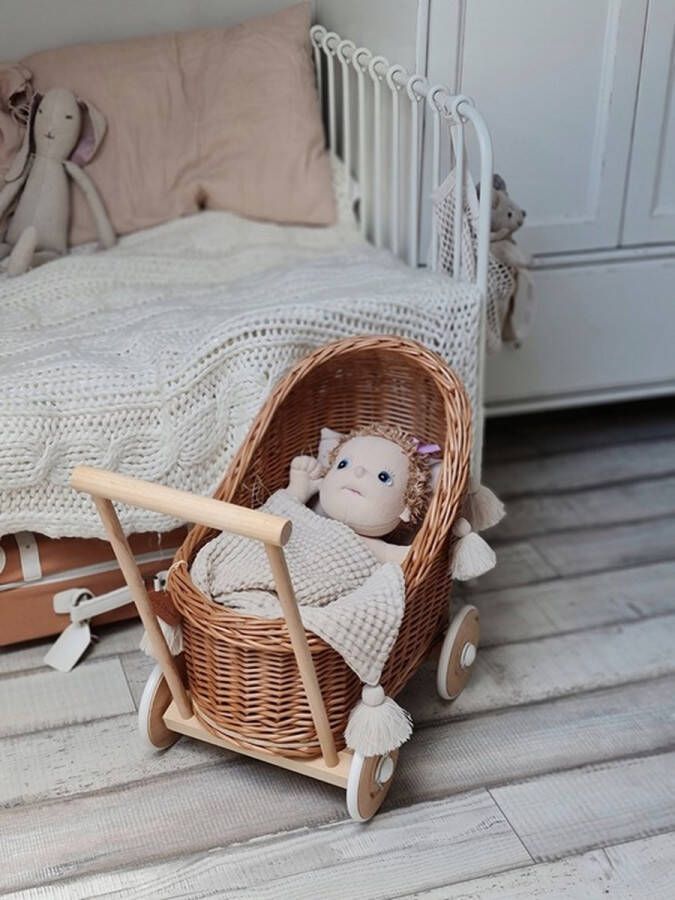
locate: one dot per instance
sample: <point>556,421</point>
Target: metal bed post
<point>464,107</point>
<point>404,206</point>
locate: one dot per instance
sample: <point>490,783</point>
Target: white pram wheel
<point>458,653</point>
<point>155,701</point>
<point>370,778</point>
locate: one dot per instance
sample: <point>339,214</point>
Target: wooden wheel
<point>154,703</point>
<point>458,653</point>
<point>370,778</point>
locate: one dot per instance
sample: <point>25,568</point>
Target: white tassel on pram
<point>377,724</point>
<point>472,556</point>
<point>482,507</point>
<point>173,635</point>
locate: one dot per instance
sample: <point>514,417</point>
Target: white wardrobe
<point>580,98</point>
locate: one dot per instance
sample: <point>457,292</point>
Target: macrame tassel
<point>483,508</point>
<point>173,635</point>
<point>377,724</point>
<point>472,555</point>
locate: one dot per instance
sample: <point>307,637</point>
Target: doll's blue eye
<point>385,477</point>
<point>342,464</point>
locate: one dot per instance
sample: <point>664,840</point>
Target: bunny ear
<point>20,161</point>
<point>329,441</point>
<point>92,133</point>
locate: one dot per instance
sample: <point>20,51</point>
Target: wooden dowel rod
<point>302,652</point>
<point>134,579</point>
<point>182,505</point>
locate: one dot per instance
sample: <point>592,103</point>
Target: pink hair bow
<point>426,449</point>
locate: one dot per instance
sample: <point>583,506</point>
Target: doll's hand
<point>305,477</point>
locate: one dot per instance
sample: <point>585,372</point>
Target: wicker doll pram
<point>243,678</point>
<point>267,688</point>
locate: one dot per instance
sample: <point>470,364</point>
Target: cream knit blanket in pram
<point>345,595</point>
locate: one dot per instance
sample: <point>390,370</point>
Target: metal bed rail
<point>375,113</point>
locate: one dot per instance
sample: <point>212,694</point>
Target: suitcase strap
<point>164,608</point>
<point>29,554</point>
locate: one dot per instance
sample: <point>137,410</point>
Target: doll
<point>372,479</point>
<point>375,478</point>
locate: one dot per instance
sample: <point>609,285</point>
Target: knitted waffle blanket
<point>345,596</point>
<point>152,358</point>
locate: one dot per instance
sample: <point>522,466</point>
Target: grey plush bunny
<point>62,134</point>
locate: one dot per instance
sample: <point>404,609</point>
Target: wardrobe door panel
<point>650,205</point>
<point>597,334</point>
<point>557,82</point>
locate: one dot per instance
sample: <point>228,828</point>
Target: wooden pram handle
<point>183,505</point>
<point>106,486</point>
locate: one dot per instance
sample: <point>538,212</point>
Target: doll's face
<point>366,486</point>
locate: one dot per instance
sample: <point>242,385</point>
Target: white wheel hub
<point>368,783</point>
<point>385,770</point>
<point>458,653</point>
<point>468,656</point>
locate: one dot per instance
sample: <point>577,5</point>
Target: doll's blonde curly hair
<point>418,489</point>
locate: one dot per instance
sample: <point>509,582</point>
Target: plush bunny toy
<point>371,479</point>
<point>62,134</point>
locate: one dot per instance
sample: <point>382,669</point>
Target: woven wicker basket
<point>242,674</point>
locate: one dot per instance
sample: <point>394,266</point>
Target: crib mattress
<point>152,358</point>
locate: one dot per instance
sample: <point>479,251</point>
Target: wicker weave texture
<point>242,674</point>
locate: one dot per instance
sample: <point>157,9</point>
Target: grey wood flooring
<point>553,775</point>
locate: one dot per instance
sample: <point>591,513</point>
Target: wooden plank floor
<point>553,775</point>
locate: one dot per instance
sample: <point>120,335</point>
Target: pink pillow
<point>223,118</point>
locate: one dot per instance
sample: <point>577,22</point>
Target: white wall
<point>389,26</point>
<point>30,25</point>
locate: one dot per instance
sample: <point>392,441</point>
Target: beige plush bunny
<point>63,133</point>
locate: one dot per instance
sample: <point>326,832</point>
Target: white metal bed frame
<point>374,113</point>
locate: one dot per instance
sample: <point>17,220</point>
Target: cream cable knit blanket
<point>344,594</point>
<point>152,358</point>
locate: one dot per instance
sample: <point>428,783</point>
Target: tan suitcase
<point>34,568</point>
